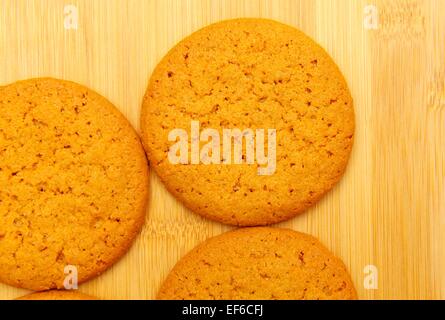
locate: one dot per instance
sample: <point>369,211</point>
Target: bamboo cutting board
<point>389,209</point>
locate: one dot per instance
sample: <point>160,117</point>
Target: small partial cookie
<point>261,264</point>
<point>57,295</point>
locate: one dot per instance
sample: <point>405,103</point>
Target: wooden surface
<point>389,209</point>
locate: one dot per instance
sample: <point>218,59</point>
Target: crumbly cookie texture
<point>257,74</point>
<point>259,263</point>
<point>57,295</point>
<point>73,183</point>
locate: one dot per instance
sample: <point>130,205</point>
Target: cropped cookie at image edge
<point>251,74</point>
<point>57,295</point>
<point>73,183</point>
<point>259,263</point>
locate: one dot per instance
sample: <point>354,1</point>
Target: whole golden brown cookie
<point>73,184</point>
<point>57,295</point>
<point>259,263</point>
<point>259,77</point>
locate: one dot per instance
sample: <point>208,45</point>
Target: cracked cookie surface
<point>73,183</point>
<point>256,74</point>
<point>259,263</point>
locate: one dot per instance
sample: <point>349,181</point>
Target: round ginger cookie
<point>73,183</point>
<point>57,295</point>
<point>273,84</point>
<point>259,263</point>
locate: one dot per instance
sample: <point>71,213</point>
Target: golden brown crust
<point>259,263</point>
<point>259,74</point>
<point>57,295</point>
<point>73,183</point>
